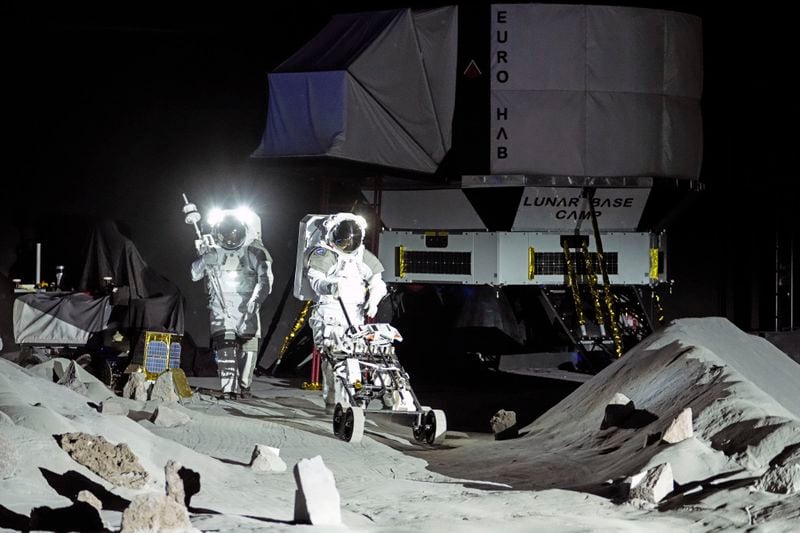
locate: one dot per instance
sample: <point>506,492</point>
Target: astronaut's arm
<point>198,269</point>
<point>320,265</point>
<point>375,285</point>
<point>200,265</point>
<point>377,290</point>
<point>321,283</point>
<point>269,278</point>
<point>262,263</point>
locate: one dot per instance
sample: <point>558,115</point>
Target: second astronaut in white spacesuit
<point>238,273</point>
<point>345,277</point>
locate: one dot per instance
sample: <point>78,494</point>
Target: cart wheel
<point>338,421</point>
<point>353,424</point>
<point>435,424</point>
<point>108,375</point>
<point>418,428</point>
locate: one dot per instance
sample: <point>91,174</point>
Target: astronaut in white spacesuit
<point>238,272</point>
<point>342,274</point>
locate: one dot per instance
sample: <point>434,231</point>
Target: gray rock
<point>83,360</point>
<point>316,500</point>
<point>116,464</point>
<point>174,486</point>
<point>167,417</point>
<point>9,458</point>
<point>164,389</point>
<point>781,479</point>
<point>155,512</point>
<point>504,424</point>
<point>70,380</point>
<point>136,387</point>
<point>641,505</point>
<point>621,399</point>
<point>91,499</point>
<point>789,455</point>
<point>31,358</point>
<point>110,407</point>
<point>653,484</point>
<point>266,459</point>
<point>679,429</point>
<point>617,411</point>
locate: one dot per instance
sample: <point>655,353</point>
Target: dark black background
<point>113,112</point>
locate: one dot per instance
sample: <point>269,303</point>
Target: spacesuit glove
<point>208,256</point>
<point>333,287</point>
<point>372,310</point>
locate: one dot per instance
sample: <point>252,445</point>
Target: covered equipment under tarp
<point>41,318</point>
<point>375,87</point>
<point>153,302</point>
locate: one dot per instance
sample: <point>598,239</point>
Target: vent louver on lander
<point>424,262</point>
<point>552,263</point>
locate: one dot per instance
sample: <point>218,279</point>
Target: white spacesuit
<point>341,273</point>
<point>238,273</point>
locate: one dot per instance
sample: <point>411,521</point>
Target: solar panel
<point>162,351</point>
<point>175,355</point>
<point>156,354</point>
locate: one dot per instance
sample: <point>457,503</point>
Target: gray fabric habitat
<point>370,87</point>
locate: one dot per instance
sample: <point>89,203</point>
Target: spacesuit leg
<point>247,363</point>
<point>325,322</point>
<point>317,324</point>
<point>334,379</point>
<point>328,384</point>
<point>227,366</point>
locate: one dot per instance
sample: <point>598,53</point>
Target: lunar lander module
<point>531,170</point>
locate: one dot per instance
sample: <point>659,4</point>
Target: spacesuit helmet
<point>347,235</point>
<point>230,232</point>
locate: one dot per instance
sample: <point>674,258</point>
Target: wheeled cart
<point>368,379</point>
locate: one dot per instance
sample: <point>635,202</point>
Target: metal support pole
<point>777,279</point>
<point>791,282</point>
<point>315,367</point>
<point>572,281</point>
<point>38,265</point>
<point>376,206</point>
<point>598,242</point>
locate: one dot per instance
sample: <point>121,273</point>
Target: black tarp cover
<point>153,302</point>
<point>6,321</point>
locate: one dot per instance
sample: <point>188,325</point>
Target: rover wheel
<point>353,424</point>
<point>338,421</point>
<point>435,424</point>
